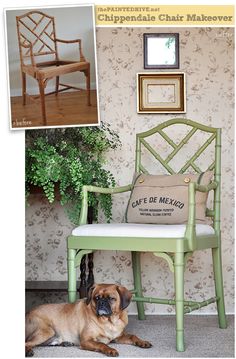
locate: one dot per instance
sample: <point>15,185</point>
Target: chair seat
<point>139,230</point>
<point>54,70</point>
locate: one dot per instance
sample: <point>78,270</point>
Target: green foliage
<point>70,158</point>
<point>169,42</point>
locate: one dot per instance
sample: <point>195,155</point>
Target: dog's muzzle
<point>103,308</point>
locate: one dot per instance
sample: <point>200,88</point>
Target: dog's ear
<point>89,295</point>
<point>125,297</point>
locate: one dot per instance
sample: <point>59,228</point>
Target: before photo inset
<point>52,67</point>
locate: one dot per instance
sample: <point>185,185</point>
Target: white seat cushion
<point>139,230</point>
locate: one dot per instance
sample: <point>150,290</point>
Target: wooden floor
<point>66,109</point>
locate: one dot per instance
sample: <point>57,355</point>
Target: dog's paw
<point>144,344</point>
<point>111,352</point>
<point>29,353</point>
<point>67,344</point>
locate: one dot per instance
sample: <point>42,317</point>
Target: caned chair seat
<point>140,230</point>
<point>55,69</point>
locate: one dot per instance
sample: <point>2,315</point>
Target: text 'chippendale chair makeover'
<point>173,242</point>
<point>37,39</point>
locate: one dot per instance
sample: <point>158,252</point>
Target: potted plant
<point>67,159</point>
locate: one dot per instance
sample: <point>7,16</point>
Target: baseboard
<point>47,286</point>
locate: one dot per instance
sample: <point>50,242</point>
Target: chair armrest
<point>79,41</point>
<point>86,189</point>
<point>190,232</point>
<point>111,190</point>
<point>207,188</point>
<point>68,41</point>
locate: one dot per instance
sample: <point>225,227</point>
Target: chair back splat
<point>193,128</point>
<point>36,36</point>
<point>178,147</point>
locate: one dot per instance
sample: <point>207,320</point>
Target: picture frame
<point>161,92</point>
<point>161,50</point>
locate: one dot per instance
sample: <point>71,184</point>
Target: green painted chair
<point>175,247</point>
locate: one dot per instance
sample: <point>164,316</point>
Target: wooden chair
<point>175,243</point>
<point>37,39</point>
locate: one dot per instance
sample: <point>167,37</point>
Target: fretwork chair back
<point>37,41</point>
<point>175,243</point>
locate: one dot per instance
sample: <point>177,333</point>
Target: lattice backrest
<point>36,35</point>
<point>178,147</point>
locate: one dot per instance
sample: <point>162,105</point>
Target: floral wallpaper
<point>207,58</point>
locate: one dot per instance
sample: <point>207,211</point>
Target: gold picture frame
<point>161,92</point>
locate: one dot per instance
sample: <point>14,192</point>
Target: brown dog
<point>93,322</point>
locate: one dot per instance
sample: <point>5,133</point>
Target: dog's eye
<point>97,297</point>
<point>112,299</point>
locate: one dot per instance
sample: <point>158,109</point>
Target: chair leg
<point>57,84</point>
<point>42,99</point>
<point>179,299</point>
<point>219,289</point>
<point>71,275</point>
<point>87,74</point>
<point>23,88</point>
<point>138,283</point>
